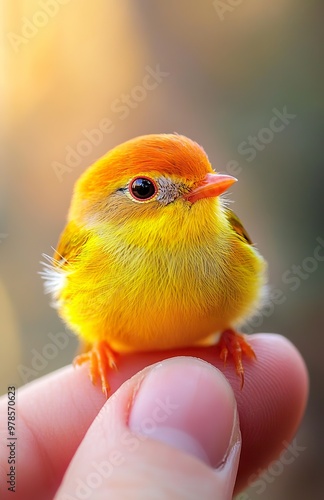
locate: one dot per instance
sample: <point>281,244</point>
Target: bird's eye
<point>142,188</point>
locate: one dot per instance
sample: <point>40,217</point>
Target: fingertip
<point>174,420</point>
<point>182,393</point>
<point>278,354</point>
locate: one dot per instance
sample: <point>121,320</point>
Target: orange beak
<point>212,185</point>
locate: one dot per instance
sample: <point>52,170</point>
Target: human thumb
<point>171,431</point>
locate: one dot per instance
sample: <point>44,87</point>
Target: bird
<point>152,258</point>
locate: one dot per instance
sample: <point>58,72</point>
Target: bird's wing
<point>238,226</point>
<point>70,245</point>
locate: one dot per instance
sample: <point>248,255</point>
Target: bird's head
<point>157,180</point>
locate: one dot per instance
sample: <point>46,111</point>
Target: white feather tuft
<point>53,276</point>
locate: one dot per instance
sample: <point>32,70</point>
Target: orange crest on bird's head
<point>142,175</point>
<point>165,154</point>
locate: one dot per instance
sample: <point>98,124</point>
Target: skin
<point>270,408</point>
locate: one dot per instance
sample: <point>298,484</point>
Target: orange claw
<point>100,358</point>
<point>235,344</point>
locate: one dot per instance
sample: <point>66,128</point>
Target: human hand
<point>186,441</point>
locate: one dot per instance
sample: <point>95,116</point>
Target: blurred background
<point>79,77</point>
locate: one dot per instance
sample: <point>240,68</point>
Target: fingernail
<point>188,404</point>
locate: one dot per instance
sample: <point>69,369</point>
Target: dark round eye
<point>142,188</point>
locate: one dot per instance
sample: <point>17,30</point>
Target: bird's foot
<point>235,344</point>
<point>100,358</point>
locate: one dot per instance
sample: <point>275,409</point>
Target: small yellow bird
<point>151,257</point>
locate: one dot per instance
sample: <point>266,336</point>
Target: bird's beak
<point>211,186</point>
